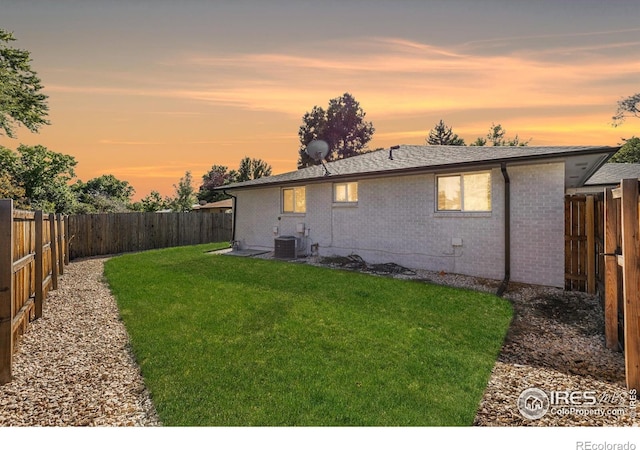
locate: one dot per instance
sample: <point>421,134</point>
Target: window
<point>345,192</point>
<point>294,200</point>
<point>466,192</point>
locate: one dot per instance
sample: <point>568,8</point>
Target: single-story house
<point>492,212</point>
<point>222,206</point>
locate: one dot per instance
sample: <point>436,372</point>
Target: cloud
<point>405,76</point>
<point>551,36</point>
<point>394,76</point>
<point>118,142</point>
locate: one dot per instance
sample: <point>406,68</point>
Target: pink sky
<point>148,90</point>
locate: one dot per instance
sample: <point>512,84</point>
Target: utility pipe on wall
<point>507,230</point>
<point>235,212</point>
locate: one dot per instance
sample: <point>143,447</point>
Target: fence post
<point>6,290</point>
<point>39,263</point>
<point>610,272</point>
<point>591,245</point>
<point>66,240</point>
<point>60,243</point>
<point>630,282</point>
<point>54,251</point>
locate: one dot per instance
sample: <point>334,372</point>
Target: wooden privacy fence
<point>622,276</point>
<point>106,234</point>
<point>32,255</point>
<point>584,243</point>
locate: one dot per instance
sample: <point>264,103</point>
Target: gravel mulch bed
<point>73,366</point>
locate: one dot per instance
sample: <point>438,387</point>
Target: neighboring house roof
<point>228,203</point>
<point>581,161</point>
<point>613,173</point>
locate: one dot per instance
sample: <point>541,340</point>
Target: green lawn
<point>235,341</point>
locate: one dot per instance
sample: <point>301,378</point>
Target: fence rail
<point>106,234</point>
<point>33,252</point>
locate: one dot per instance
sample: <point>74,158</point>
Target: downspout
<point>507,230</point>
<point>235,211</point>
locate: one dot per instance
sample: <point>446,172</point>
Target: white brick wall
<point>395,221</point>
<point>537,224</point>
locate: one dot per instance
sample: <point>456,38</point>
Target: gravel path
<point>73,366</point>
<point>556,344</point>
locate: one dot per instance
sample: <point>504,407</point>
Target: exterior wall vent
<point>285,247</point>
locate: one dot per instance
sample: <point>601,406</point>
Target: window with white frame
<point>345,192</point>
<point>294,200</point>
<point>464,192</point>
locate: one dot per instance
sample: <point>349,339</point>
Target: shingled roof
<point>612,173</point>
<point>405,159</point>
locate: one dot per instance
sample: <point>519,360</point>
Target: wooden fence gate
<point>622,276</point>
<point>584,243</point>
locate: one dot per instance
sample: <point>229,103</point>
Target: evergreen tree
<point>496,136</point>
<point>443,135</point>
<point>185,195</point>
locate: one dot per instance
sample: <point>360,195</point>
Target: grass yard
<point>229,341</point>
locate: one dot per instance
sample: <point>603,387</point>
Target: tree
<point>627,107</point>
<point>342,126</point>
<point>185,195</point>
<point>21,101</point>
<point>104,194</point>
<point>41,175</point>
<point>314,126</point>
<point>152,202</point>
<point>252,169</point>
<point>217,176</point>
<point>9,189</point>
<point>629,152</point>
<point>9,186</point>
<point>496,136</point>
<point>443,135</point>
<point>249,169</point>
<point>479,142</point>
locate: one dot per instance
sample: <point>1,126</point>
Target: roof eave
<point>608,151</point>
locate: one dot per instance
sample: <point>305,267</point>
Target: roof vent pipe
<point>507,231</point>
<point>391,149</point>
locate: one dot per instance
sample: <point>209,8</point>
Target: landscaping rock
<point>73,366</point>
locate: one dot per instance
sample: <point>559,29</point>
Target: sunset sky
<point>148,89</point>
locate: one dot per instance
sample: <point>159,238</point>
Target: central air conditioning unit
<point>285,247</point>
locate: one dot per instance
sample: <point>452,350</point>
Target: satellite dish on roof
<point>317,149</point>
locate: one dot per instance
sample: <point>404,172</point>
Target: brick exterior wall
<point>395,220</point>
<point>537,224</point>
